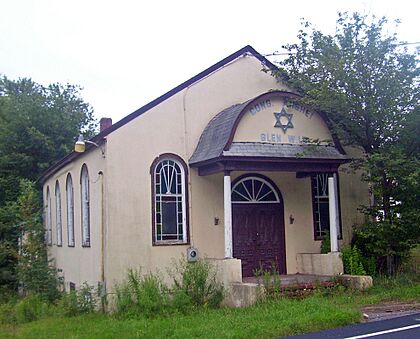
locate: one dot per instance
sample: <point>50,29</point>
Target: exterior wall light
<point>80,145</point>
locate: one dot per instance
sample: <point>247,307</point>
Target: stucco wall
<point>78,264</point>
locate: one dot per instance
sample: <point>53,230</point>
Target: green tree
<point>38,126</point>
<point>34,273</point>
<point>367,83</point>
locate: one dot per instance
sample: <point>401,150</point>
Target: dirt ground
<point>389,310</point>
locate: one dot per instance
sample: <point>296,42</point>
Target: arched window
<point>58,223</point>
<point>70,211</point>
<point>169,177</point>
<point>48,235</point>
<point>254,189</point>
<point>84,191</point>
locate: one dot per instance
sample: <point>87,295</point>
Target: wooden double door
<point>258,235</point>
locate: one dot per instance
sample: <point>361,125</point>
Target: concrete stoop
<point>251,290</point>
<point>357,282</point>
<point>243,294</point>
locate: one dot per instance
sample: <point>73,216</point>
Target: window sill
<point>170,243</point>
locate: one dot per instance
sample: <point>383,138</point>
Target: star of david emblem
<point>279,123</point>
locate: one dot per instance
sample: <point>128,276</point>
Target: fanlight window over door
<point>254,190</point>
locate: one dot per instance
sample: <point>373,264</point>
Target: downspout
<point>103,284</point>
<point>189,207</point>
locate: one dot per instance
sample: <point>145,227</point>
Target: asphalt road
<point>407,327</point>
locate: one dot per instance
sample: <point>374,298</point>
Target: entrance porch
<point>269,214</point>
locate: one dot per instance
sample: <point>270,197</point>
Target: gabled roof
<point>247,50</point>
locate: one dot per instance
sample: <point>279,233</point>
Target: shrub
<point>141,295</point>
<point>197,284</point>
<point>34,270</point>
<point>352,261</point>
<point>31,308</point>
<point>78,302</point>
<point>7,313</point>
<point>326,243</point>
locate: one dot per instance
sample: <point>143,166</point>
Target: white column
<point>228,215</point>
<point>333,207</point>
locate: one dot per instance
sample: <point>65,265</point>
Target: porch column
<point>228,215</point>
<point>333,207</point>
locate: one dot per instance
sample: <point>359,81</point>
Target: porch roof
<point>216,151</point>
<point>296,151</point>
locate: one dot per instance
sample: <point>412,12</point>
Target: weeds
<point>141,295</point>
<point>78,302</point>
<point>270,279</point>
<point>196,283</point>
<point>352,261</point>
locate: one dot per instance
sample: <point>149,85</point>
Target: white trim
<point>332,204</point>
<point>228,215</point>
<point>255,198</point>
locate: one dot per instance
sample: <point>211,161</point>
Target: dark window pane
<point>169,218</point>
<point>257,187</point>
<point>237,197</point>
<point>241,190</point>
<point>248,185</point>
<point>159,232</point>
<point>264,190</point>
<point>324,216</point>
<point>269,197</point>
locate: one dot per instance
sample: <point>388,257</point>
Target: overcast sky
<point>126,53</point>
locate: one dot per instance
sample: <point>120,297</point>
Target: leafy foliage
<point>352,261</point>
<point>197,281</point>
<point>141,294</point>
<point>194,285</point>
<point>326,243</point>
<point>368,87</point>
<point>38,126</point>
<point>35,274</point>
<point>81,301</point>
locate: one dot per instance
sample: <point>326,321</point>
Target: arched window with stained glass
<point>169,200</point>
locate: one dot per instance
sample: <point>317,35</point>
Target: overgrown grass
<point>268,319</point>
<point>30,318</point>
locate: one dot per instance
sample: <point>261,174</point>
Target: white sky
<point>126,53</point>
